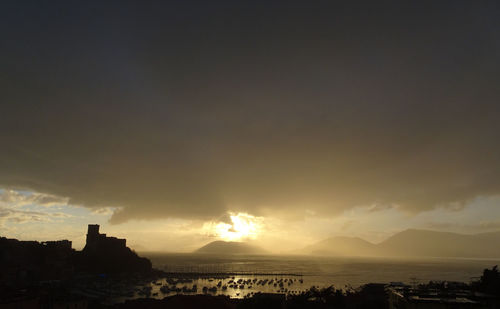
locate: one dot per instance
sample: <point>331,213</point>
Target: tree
<point>490,281</point>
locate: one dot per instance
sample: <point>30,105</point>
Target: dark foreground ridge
<point>23,263</point>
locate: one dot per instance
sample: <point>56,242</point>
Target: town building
<point>96,240</point>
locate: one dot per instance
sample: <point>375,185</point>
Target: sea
<point>247,275</point>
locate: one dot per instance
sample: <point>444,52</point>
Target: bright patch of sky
<point>36,216</point>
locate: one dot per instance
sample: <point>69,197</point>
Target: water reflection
<point>235,286</point>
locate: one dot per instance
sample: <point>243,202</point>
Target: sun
<point>243,226</point>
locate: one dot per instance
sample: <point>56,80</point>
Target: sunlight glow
<point>242,227</point>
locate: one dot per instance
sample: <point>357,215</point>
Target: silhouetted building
<point>25,262</point>
<point>60,245</point>
<point>104,254</point>
<point>93,233</point>
<point>96,240</point>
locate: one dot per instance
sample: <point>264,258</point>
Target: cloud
<point>19,216</point>
<point>495,224</point>
<point>380,207</point>
<point>11,202</point>
<point>22,216</point>
<point>16,198</point>
<point>479,227</point>
<point>347,225</point>
<point>255,110</point>
<point>105,211</point>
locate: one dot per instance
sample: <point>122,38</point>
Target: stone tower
<point>93,234</point>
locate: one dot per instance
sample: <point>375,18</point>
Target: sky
<point>176,123</point>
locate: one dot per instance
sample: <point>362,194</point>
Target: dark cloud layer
<point>189,109</point>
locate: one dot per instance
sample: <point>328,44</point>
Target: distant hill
<point>442,244</point>
<point>413,243</point>
<point>230,247</point>
<point>341,246</point>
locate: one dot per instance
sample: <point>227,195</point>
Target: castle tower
<point>92,234</point>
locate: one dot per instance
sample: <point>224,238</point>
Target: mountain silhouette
<point>230,247</point>
<point>342,246</point>
<point>413,243</point>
